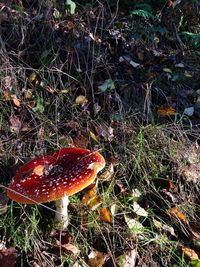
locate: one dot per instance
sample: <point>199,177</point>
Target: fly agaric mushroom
<point>54,177</point>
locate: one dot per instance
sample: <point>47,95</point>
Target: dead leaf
<point>192,172</point>
<point>166,111</point>
<point>81,100</point>
<point>80,140</point>
<point>32,77</point>
<point>105,215</point>
<point>105,131</point>
<point>96,259</point>
<point>134,225</point>
<point>63,237</point>
<point>50,89</point>
<point>108,174</point>
<point>72,249</point>
<point>139,210</point>
<point>15,101</point>
<point>7,83</point>
<point>128,259</point>
<point>165,227</point>
<point>167,70</point>
<point>15,124</point>
<point>95,202</point>
<point>93,136</point>
<point>190,253</point>
<point>89,195</point>
<point>177,213</point>
<point>8,257</point>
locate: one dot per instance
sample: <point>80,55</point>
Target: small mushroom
<point>55,177</point>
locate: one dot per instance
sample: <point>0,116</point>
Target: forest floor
<point>125,83</point>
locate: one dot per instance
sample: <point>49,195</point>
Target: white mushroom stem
<point>62,212</point>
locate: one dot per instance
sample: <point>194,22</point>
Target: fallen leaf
<point>128,259</point>
<point>177,213</point>
<point>96,259</point>
<point>114,208</point>
<point>105,131</point>
<point>80,140</point>
<point>15,101</point>
<point>189,111</point>
<point>81,100</point>
<point>167,70</point>
<point>165,227</point>
<point>95,202</point>
<point>191,172</point>
<point>105,215</point>
<point>32,76</point>
<point>93,136</point>
<point>134,225</point>
<point>15,124</point>
<point>190,253</point>
<point>8,257</point>
<point>72,249</point>
<point>136,194</point>
<point>166,111</point>
<point>108,174</point>
<point>139,210</point>
<point>7,83</point>
<point>89,195</point>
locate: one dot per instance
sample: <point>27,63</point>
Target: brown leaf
<point>96,259</point>
<point>80,140</point>
<point>95,202</point>
<point>108,174</point>
<point>177,213</point>
<point>166,111</point>
<point>8,257</point>
<point>15,101</point>
<point>7,83</point>
<point>81,100</point>
<point>72,249</point>
<point>15,124</point>
<point>192,172</point>
<point>105,131</point>
<point>190,253</point>
<point>128,259</point>
<point>105,215</point>
<point>89,195</point>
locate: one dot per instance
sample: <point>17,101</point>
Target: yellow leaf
<point>32,77</point>
<point>81,100</point>
<point>6,96</point>
<point>89,195</point>
<point>166,111</point>
<point>105,215</point>
<point>177,213</point>
<point>95,202</point>
<point>15,101</point>
<point>190,253</point>
<point>167,70</point>
<point>93,136</point>
<point>96,259</point>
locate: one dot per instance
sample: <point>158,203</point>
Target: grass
<point>148,152</point>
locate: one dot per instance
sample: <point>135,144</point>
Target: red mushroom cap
<point>51,177</point>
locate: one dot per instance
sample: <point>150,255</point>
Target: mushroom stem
<point>62,212</point>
